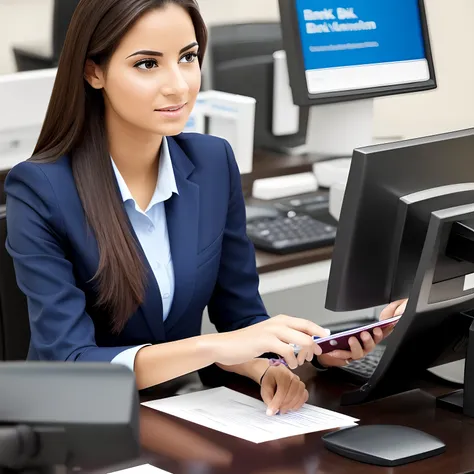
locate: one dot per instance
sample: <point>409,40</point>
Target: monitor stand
<point>462,401</point>
<point>334,130</point>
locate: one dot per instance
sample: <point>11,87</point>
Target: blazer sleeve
<point>61,329</point>
<point>236,302</point>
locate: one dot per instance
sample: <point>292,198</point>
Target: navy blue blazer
<point>55,256</point>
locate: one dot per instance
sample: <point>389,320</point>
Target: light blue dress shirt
<point>152,231</point>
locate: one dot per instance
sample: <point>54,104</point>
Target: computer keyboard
<point>290,233</point>
<point>361,370</point>
<point>310,204</point>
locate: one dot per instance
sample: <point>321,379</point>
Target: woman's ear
<point>93,74</point>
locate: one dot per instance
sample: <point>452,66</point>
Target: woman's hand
<point>274,335</point>
<point>393,309</point>
<point>282,390</point>
<point>340,358</point>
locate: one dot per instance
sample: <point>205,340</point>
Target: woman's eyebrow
<point>149,52</point>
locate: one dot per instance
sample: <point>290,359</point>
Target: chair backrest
<point>62,14</point>
<point>14,322</point>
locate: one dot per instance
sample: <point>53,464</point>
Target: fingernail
<point>269,412</point>
<point>318,351</point>
<point>328,331</point>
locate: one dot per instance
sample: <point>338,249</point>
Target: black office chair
<point>29,58</point>
<point>14,322</point>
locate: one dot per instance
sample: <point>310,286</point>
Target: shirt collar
<point>165,185</point>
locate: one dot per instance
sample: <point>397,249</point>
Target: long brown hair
<point>74,126</point>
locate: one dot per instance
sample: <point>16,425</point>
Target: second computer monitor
<point>367,48</point>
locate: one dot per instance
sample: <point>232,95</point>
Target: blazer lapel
<point>182,214</point>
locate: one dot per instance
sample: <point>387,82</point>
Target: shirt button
<point>150,229</point>
<point>166,295</point>
<point>157,265</point>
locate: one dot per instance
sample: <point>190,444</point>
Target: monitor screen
<point>345,50</point>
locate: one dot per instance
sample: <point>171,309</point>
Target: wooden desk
<point>182,447</point>
<point>268,262</point>
<point>277,271</point>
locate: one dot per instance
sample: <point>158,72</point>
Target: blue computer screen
<point>357,44</point>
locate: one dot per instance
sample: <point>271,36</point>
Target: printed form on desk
<point>142,469</point>
<point>245,417</point>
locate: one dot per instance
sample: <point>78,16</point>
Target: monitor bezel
<point>296,67</point>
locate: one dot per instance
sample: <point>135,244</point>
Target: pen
<point>296,350</point>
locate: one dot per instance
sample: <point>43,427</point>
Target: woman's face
<point>153,78</point>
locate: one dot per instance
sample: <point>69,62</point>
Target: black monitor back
<point>241,62</point>
<point>62,15</point>
<point>243,40</point>
<point>371,265</point>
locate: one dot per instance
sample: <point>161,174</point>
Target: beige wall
<point>23,21</point>
<point>450,107</point>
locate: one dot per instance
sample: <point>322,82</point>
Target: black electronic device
<point>383,445</point>
<point>56,416</point>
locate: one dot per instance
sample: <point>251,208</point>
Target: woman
<point>123,230</point>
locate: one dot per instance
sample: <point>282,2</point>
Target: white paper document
<point>142,469</point>
<point>239,415</point>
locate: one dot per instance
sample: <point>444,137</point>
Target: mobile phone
<point>340,341</point>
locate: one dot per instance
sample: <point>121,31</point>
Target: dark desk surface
<point>182,447</point>
<point>268,262</point>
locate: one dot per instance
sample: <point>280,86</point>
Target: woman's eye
<point>146,64</point>
<point>189,57</point>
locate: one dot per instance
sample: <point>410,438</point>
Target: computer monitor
<point>243,60</point>
<point>406,229</point>
<point>341,56</point>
